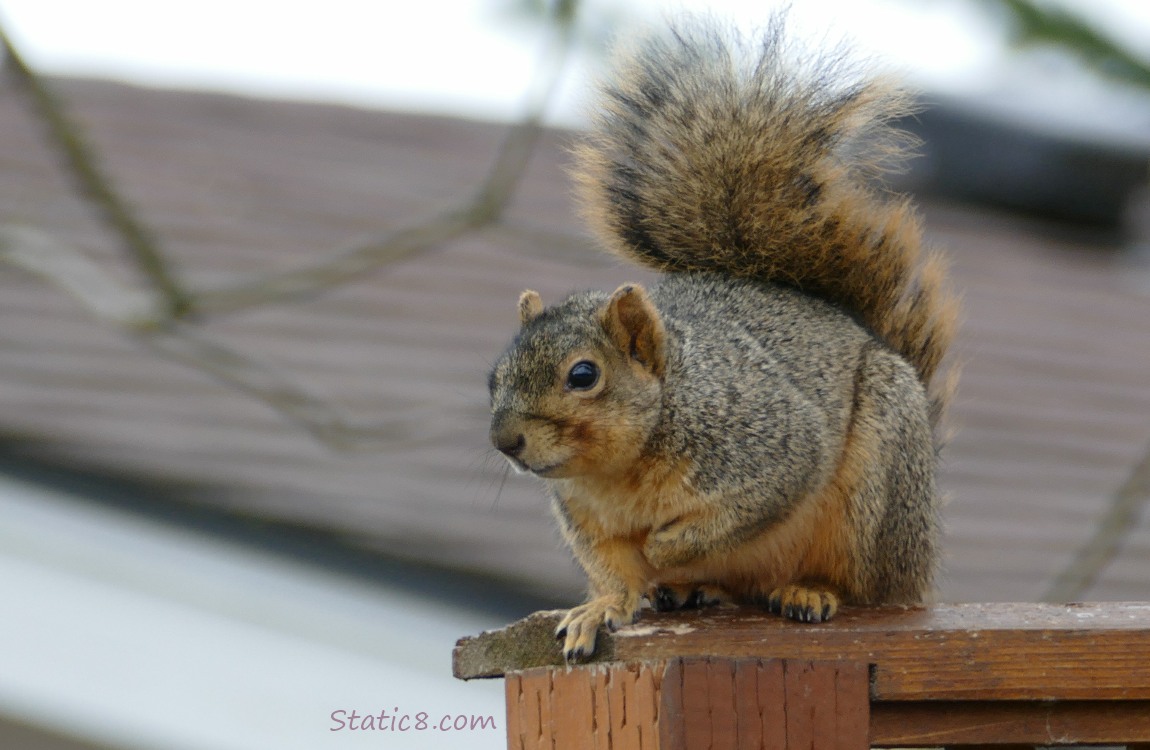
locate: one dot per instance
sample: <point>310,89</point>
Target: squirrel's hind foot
<point>669,597</point>
<point>803,603</point>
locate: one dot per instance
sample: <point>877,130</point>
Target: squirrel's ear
<point>530,305</point>
<point>634,325</point>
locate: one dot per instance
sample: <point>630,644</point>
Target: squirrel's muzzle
<point>506,436</point>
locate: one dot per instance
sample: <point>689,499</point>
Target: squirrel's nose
<point>510,444</point>
<point>506,435</point>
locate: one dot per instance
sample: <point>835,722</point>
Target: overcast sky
<point>465,56</point>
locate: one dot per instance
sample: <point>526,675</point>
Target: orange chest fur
<point>628,505</point>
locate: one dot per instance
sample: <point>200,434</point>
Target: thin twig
<point>134,311</point>
<point>150,315</point>
<point>1104,544</point>
<point>543,241</point>
<point>339,268</point>
<point>485,208</point>
<point>1042,23</point>
<point>322,420</point>
<point>520,143</point>
<point>70,270</point>
<point>92,183</point>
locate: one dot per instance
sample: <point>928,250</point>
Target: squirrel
<point>761,426</point>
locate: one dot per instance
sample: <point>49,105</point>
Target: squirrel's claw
<point>803,604</point>
<point>670,597</point>
<point>579,627</point>
<point>665,599</point>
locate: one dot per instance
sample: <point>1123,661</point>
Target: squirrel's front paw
<point>579,626</point>
<point>803,604</point>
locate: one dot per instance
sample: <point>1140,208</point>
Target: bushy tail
<point>713,152</point>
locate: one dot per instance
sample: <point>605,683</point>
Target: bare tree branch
<point>337,269</point>
<point>152,316</point>
<point>106,297</point>
<point>543,241</point>
<point>92,183</point>
<point>521,141</point>
<point>486,208</point>
<point>1104,544</point>
<point>141,314</point>
<point>322,420</point>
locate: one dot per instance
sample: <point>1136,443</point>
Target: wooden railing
<point>972,674</point>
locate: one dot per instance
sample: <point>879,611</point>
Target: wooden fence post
<point>690,703</point>
<point>998,674</point>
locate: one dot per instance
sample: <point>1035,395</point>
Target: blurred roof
<point>1053,413</point>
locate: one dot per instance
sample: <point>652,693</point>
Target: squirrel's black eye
<point>583,375</point>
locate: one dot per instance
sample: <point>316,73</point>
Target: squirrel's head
<point>580,388</point>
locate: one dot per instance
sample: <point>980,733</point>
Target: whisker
<point>502,482</point>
